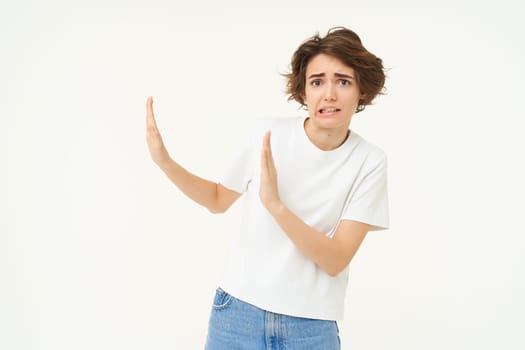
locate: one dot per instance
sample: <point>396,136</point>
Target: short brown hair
<point>345,45</point>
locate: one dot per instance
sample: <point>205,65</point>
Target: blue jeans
<point>236,325</point>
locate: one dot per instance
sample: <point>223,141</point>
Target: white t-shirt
<point>265,268</point>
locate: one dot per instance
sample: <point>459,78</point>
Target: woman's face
<point>331,92</point>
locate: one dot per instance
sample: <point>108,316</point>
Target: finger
<point>149,105</point>
<point>270,168</point>
<point>266,143</point>
<point>264,161</point>
<point>150,117</point>
<point>269,155</point>
<point>266,157</point>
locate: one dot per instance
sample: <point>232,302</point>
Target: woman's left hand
<point>268,191</point>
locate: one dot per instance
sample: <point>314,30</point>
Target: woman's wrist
<point>168,165</point>
<point>276,208</point>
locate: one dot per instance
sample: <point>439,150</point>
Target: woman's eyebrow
<point>342,75</point>
<point>316,75</point>
<point>339,75</point>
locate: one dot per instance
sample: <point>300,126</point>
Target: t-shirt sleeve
<point>239,171</point>
<point>369,201</point>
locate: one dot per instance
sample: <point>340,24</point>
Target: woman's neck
<point>325,139</point>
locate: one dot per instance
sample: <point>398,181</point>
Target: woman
<point>313,189</point>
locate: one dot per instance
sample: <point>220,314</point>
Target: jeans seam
<point>225,303</point>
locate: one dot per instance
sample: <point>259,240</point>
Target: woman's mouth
<point>328,110</point>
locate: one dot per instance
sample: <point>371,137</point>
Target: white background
<point>99,251</point>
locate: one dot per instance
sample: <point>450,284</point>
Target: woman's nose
<point>329,94</point>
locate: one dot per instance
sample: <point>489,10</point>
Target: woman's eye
<point>315,82</point>
<point>344,82</point>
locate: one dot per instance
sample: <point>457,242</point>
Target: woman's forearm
<point>332,254</point>
<point>211,195</point>
<point>319,248</point>
<point>202,191</point>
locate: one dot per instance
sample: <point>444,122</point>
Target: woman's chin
<point>330,121</point>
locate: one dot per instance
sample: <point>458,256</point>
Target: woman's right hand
<point>211,195</point>
<point>156,147</point>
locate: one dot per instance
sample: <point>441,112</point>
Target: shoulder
<point>371,153</point>
<point>279,128</point>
